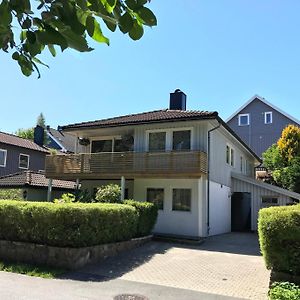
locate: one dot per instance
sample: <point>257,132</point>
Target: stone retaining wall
<point>63,257</point>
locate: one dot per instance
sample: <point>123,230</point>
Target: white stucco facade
<point>187,223</point>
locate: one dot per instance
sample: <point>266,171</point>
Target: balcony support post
<point>49,193</point>
<point>122,188</point>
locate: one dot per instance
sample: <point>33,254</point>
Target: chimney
<point>39,135</point>
<point>178,100</point>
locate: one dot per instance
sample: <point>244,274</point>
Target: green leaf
<point>15,56</point>
<point>26,65</point>
<point>109,5</point>
<point>147,16</point>
<point>94,30</point>
<point>31,37</point>
<point>51,36</point>
<point>52,50</point>
<point>35,59</point>
<point>5,14</point>
<point>76,41</point>
<point>126,22</point>
<point>136,31</point>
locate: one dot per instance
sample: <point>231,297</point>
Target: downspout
<point>208,172</point>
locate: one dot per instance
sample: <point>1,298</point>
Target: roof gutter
<point>208,172</point>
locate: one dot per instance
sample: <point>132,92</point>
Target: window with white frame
<point>241,164</point>
<point>157,141</point>
<point>182,199</point>
<point>23,161</point>
<point>230,157</point>
<point>3,155</point>
<point>244,119</point>
<point>169,139</point>
<point>156,196</point>
<point>268,117</point>
<point>182,140</point>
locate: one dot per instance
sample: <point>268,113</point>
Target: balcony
<point>107,165</point>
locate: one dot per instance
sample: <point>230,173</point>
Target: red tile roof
<point>165,115</point>
<point>14,140</point>
<point>33,179</point>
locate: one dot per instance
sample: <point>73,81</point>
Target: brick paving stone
<point>228,265</point>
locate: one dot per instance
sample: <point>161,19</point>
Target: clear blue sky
<point>219,52</point>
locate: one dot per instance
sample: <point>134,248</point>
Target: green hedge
<point>284,291</point>
<point>147,213</point>
<point>279,237</point>
<point>66,225</point>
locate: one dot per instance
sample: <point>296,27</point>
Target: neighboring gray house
<point>18,154</point>
<point>259,123</point>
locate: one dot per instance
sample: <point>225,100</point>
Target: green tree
<point>25,133</point>
<point>29,132</point>
<point>110,193</point>
<point>41,121</point>
<point>283,159</point>
<point>28,27</point>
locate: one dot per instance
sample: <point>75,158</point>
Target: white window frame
<point>244,115</point>
<point>105,138</point>
<point>169,137</point>
<point>5,157</point>
<point>231,161</point>
<point>181,188</point>
<point>157,188</point>
<point>27,163</point>
<point>271,118</point>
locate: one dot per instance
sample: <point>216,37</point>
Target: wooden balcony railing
<point>172,164</point>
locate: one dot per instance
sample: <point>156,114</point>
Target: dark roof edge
<point>69,128</point>
<point>227,127</point>
<point>26,185</point>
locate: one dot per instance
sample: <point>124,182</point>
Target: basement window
<point>182,199</point>
<point>156,196</point>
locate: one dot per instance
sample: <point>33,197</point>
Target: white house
<point>199,172</point>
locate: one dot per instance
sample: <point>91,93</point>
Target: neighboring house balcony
<point>111,165</point>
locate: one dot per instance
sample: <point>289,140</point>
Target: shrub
<point>11,194</point>
<point>110,193</point>
<point>147,215</point>
<point>279,237</point>
<point>66,225</point>
<point>284,291</point>
<point>66,198</point>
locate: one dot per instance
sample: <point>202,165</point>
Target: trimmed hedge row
<point>284,291</point>
<point>67,225</point>
<point>279,237</point>
<point>147,215</point>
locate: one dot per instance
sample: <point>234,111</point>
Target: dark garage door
<point>241,212</point>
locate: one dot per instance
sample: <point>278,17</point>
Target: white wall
<point>174,222</point>
<point>220,209</point>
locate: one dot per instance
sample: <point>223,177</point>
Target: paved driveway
<point>228,265</point>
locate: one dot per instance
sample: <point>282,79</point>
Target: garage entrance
<point>241,211</point>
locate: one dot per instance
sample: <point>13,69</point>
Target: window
<point>157,141</point>
<point>241,164</point>
<point>244,119</point>
<point>269,201</point>
<point>268,117</point>
<point>182,140</point>
<point>3,154</point>
<point>230,155</point>
<point>24,161</point>
<point>156,196</point>
<point>102,146</point>
<point>182,199</point>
